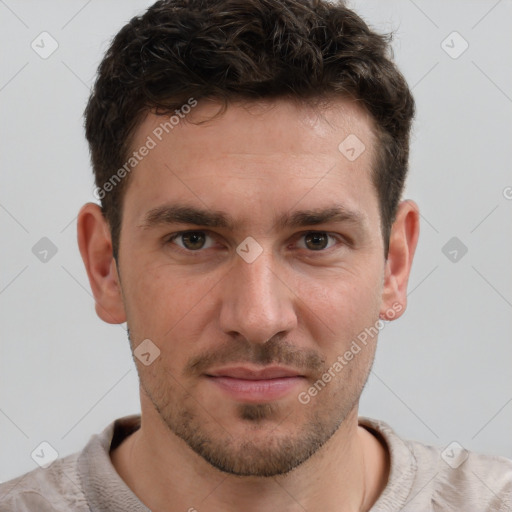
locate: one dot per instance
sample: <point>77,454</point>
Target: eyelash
<point>169,239</point>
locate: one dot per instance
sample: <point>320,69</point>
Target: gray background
<point>442,372</point>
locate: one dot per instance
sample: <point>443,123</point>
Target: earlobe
<point>402,246</point>
<point>95,244</point>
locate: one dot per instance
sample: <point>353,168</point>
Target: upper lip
<point>243,372</point>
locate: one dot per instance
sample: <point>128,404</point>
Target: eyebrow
<point>183,214</point>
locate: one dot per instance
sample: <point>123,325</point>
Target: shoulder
<point>462,478</point>
<point>431,478</point>
<point>77,482</point>
<point>56,488</point>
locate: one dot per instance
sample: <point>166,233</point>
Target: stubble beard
<point>277,436</point>
<point>270,445</point>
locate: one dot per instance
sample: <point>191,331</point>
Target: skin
<point>300,304</point>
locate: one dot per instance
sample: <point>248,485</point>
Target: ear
<point>95,243</point>
<point>402,245</point>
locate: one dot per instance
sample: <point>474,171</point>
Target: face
<point>251,256</point>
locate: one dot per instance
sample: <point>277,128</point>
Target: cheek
<point>164,292</point>
<point>336,312</point>
<point>169,308</point>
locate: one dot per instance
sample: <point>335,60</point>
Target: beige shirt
<point>422,478</point>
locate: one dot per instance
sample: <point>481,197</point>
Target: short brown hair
<point>246,50</point>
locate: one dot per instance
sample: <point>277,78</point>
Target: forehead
<point>259,127</point>
<point>275,153</point>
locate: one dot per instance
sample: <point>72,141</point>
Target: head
<point>274,137</point>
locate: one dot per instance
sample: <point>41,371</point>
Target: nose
<point>257,303</point>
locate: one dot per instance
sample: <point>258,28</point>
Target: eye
<point>318,240</point>
<point>191,240</point>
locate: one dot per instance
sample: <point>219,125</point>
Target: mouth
<point>256,386</point>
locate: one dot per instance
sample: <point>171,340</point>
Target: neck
<point>348,473</point>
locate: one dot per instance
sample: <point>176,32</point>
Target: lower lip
<point>256,390</point>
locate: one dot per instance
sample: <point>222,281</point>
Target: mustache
<point>275,351</point>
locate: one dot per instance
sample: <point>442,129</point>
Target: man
<point>250,157</point>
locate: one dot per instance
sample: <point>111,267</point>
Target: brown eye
<point>316,241</point>
<point>192,240</point>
